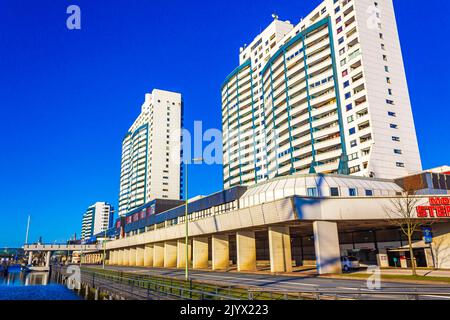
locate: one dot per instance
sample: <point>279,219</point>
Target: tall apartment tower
<point>151,153</point>
<point>328,95</point>
<point>98,218</point>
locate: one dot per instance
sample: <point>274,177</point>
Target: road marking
<point>346,288</point>
<point>433,296</point>
<point>237,279</point>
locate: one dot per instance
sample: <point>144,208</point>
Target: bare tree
<point>402,213</point>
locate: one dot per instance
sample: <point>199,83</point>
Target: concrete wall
<point>441,245</point>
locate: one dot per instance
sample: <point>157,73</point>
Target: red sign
<point>438,208</point>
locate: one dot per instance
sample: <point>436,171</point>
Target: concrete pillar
<point>132,257</point>
<point>47,259</point>
<point>326,242</point>
<point>246,250</point>
<point>126,257</point>
<point>200,253</point>
<point>30,257</point>
<point>441,245</point>
<point>220,252</point>
<point>280,249</point>
<point>181,253</point>
<point>120,257</point>
<point>113,257</point>
<point>158,255</point>
<point>148,255</point>
<point>140,256</point>
<point>116,257</point>
<point>170,254</point>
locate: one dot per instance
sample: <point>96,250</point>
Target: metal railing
<point>163,288</point>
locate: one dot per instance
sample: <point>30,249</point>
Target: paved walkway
<point>407,272</point>
<point>307,283</point>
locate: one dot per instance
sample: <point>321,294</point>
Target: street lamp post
<point>186,241</point>
<point>104,251</point>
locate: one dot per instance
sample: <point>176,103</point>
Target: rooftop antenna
<point>275,16</point>
<point>28,229</point>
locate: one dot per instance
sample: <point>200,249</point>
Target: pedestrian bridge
<point>61,247</point>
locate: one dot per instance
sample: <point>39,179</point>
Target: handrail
<point>146,286</point>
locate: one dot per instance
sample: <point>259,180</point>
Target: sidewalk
<point>407,272</point>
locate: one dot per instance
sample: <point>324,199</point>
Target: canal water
<point>18,285</point>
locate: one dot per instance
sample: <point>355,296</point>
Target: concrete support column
<point>30,257</point>
<point>114,257</point>
<point>220,252</point>
<point>132,257</point>
<point>47,259</point>
<point>158,255</point>
<point>200,253</point>
<point>120,257</point>
<point>181,253</point>
<point>326,242</point>
<point>280,249</point>
<point>140,256</point>
<point>110,257</point>
<point>126,257</point>
<point>246,250</point>
<point>148,255</point>
<point>170,254</point>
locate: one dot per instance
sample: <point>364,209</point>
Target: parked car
<point>349,263</point>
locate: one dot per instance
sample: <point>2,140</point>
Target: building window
<point>346,84</point>
<point>352,192</point>
<point>369,193</point>
<point>312,192</point>
<point>398,151</point>
<point>349,107</point>
<point>334,192</point>
<point>353,143</point>
<point>400,164</point>
<point>393,126</point>
<point>352,131</point>
<point>397,139</point>
<point>392,114</point>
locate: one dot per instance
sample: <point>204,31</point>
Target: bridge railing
<point>56,247</point>
<point>154,287</point>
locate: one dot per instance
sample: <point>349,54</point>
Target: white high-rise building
<point>97,219</point>
<point>328,95</point>
<point>151,154</point>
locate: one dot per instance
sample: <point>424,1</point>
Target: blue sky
<point>68,97</point>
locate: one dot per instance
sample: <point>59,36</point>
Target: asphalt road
<point>308,283</point>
